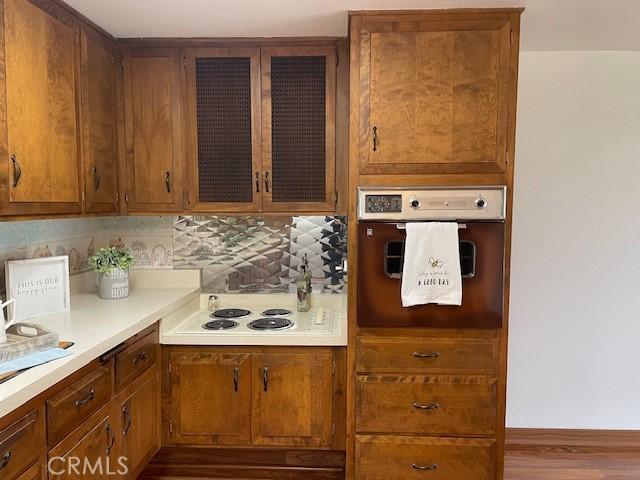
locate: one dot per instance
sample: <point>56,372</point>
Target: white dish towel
<point>431,271</point>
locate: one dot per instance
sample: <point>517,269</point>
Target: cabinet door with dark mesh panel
<point>222,118</point>
<point>298,128</point>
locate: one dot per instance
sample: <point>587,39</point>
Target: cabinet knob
<point>266,182</point>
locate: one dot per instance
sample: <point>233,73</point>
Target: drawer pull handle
<point>426,406</point>
<point>167,181</point>
<point>265,378</point>
<point>17,171</point>
<point>127,419</point>
<point>425,468</point>
<point>112,439</point>
<point>236,378</point>
<point>96,179</point>
<point>83,401</point>
<point>4,461</point>
<point>140,357</point>
<point>426,355</point>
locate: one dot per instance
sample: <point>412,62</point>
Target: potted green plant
<point>112,265</point>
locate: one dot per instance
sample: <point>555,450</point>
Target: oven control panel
<point>424,204</point>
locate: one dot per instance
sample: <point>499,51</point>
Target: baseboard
<point>536,440</point>
<point>179,463</point>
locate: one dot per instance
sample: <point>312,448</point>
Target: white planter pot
<point>114,284</point>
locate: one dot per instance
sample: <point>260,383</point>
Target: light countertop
<point>305,332</point>
<point>95,326</point>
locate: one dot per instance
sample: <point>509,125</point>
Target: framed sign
<point>39,286</point>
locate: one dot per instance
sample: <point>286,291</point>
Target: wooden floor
<point>572,455</point>
<point>572,466</point>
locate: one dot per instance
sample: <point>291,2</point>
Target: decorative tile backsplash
<point>236,254</point>
<point>257,254</point>
<point>149,238</point>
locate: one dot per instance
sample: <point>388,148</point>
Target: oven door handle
<point>403,226</point>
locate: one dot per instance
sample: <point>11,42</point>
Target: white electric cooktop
<point>260,320</point>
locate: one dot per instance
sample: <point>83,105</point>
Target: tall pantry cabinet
<point>432,103</point>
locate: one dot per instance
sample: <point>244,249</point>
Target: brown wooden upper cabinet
<point>436,90</point>
<point>298,128</point>
<point>153,130</point>
<point>223,129</point>
<point>41,172</point>
<point>260,126</point>
<point>99,74</point>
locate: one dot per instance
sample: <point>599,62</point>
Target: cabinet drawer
<point>136,359</point>
<point>19,446</point>
<point>408,458</point>
<point>34,473</point>
<point>69,408</point>
<point>426,405</point>
<point>427,354</point>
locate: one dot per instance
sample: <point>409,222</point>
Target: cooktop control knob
<point>481,202</point>
<point>414,203</point>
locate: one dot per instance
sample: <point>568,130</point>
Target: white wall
<point>574,358</point>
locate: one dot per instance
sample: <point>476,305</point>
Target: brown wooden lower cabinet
<point>251,396</point>
<point>20,445</point>
<point>263,412</point>
<point>210,397</point>
<point>444,353</point>
<point>90,451</point>
<point>139,433</point>
<point>426,405</point>
<point>292,399</point>
<point>79,429</point>
<point>407,458</point>
<point>76,403</point>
